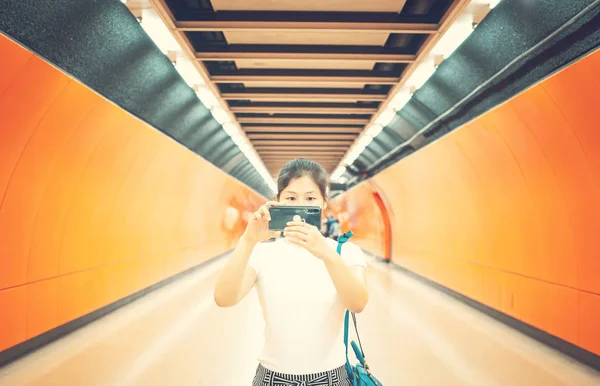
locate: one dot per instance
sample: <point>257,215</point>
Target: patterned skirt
<point>335,377</point>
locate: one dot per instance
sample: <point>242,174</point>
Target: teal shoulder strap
<point>341,240</point>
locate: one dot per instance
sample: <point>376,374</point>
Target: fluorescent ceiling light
<point>385,117</point>
<point>338,172</point>
<point>399,100</point>
<point>220,115</point>
<point>423,72</point>
<point>494,3</point>
<point>158,31</point>
<point>207,97</point>
<point>454,36</point>
<point>374,130</point>
<point>238,137</point>
<point>351,157</point>
<point>365,140</point>
<point>188,72</point>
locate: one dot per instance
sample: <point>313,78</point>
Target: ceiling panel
<point>304,78</point>
<point>303,85</point>
<point>307,38</point>
<point>305,64</point>
<point>310,5</point>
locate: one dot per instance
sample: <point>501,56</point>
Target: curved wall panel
<point>358,211</point>
<point>94,204</point>
<point>506,209</point>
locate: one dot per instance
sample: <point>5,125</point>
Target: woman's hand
<point>257,229</point>
<point>307,236</point>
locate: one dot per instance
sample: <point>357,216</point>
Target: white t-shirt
<point>303,313</point>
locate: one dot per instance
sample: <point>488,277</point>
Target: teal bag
<point>360,375</point>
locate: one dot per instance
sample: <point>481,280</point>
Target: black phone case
<point>281,215</point>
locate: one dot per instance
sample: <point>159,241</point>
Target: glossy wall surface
<point>94,204</point>
<point>506,209</point>
<point>358,211</point>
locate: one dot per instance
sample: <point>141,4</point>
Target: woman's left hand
<point>307,236</point>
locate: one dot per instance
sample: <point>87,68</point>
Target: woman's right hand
<point>257,229</point>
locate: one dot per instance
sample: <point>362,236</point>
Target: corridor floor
<point>412,335</point>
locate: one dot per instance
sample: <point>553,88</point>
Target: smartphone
<point>281,215</point>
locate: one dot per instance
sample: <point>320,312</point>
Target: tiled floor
<point>412,335</point>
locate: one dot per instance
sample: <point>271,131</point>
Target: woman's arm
<point>350,282</point>
<point>236,279</point>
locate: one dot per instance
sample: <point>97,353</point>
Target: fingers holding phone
<point>258,227</point>
<point>307,235</point>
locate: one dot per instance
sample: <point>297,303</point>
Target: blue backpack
<point>360,374</point>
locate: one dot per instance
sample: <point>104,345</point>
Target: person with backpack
<point>333,227</point>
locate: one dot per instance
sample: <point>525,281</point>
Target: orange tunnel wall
<point>358,211</point>
<point>506,209</point>
<point>94,204</point>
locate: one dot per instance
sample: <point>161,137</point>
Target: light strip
<point>452,38</point>
<point>160,34</point>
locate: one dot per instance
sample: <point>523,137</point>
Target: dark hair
<point>301,167</point>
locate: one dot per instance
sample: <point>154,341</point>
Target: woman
<point>303,285</point>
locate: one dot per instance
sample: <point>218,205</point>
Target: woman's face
<point>302,192</point>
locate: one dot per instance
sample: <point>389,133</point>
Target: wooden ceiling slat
<point>287,159</point>
<point>317,146</point>
<point>381,6</point>
<point>298,149</point>
<point>305,79</point>
<point>320,38</point>
<point>292,156</point>
<point>303,110</point>
<point>304,136</point>
<point>296,155</point>
<point>381,58</point>
<point>287,153</point>
<point>310,64</point>
<point>301,129</point>
<point>303,97</point>
<point>301,155</point>
<point>338,143</point>
<point>279,165</point>
<point>341,27</point>
<point>315,121</point>
<point>283,160</point>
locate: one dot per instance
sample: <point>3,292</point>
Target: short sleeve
<point>353,255</point>
<point>254,261</point>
